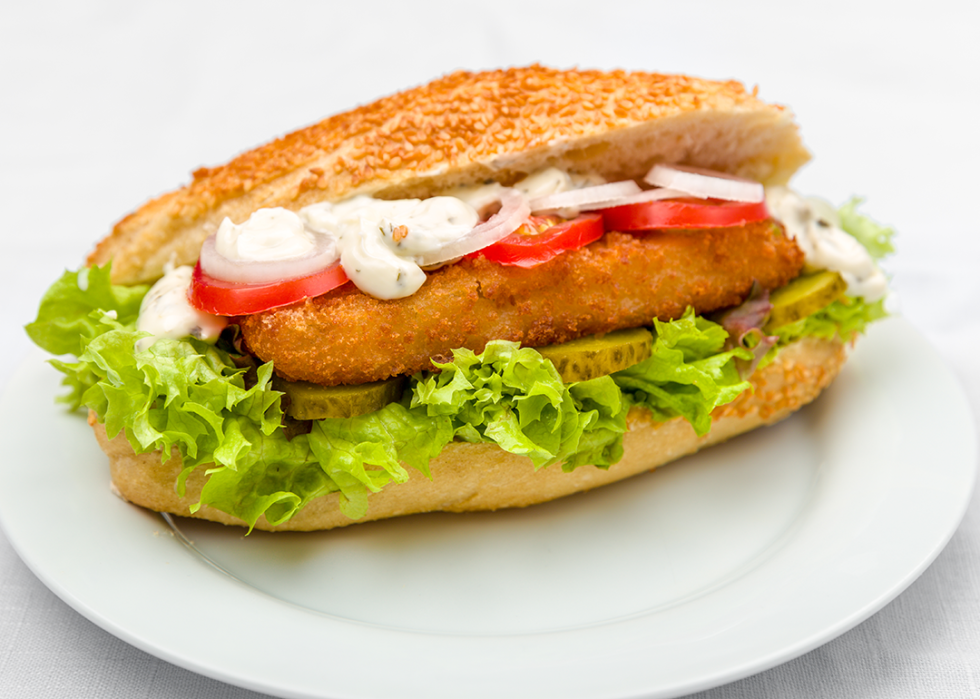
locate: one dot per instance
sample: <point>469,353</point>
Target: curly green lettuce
<point>75,310</point>
<point>875,238</point>
<point>845,318</point>
<point>191,398</point>
<point>514,397</point>
<point>688,374</point>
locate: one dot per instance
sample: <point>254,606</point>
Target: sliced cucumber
<point>804,296</point>
<point>597,355</point>
<point>309,401</point>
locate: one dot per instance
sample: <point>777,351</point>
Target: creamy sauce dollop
<point>268,234</point>
<point>379,239</point>
<point>166,312</point>
<point>550,180</point>
<point>815,226</point>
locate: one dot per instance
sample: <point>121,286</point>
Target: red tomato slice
<point>230,299</point>
<point>524,248</point>
<point>683,213</point>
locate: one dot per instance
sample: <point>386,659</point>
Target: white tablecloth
<point>106,104</point>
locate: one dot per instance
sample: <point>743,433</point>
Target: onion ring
<point>640,198</point>
<point>217,266</point>
<point>586,198</point>
<point>514,211</point>
<point>705,184</point>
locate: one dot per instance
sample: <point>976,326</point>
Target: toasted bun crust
<point>483,477</point>
<point>462,129</point>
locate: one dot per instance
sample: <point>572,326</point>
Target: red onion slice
<point>585,199</point>
<point>216,265</point>
<point>705,184</point>
<point>514,211</point>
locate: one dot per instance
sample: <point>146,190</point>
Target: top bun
<point>463,129</point>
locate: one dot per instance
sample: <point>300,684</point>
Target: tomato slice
<point>542,239</point>
<point>683,213</point>
<point>230,299</point>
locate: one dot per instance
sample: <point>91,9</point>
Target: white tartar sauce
<point>379,242</point>
<point>166,312</point>
<point>541,183</point>
<point>551,180</point>
<point>815,226</point>
<point>268,234</point>
<point>380,239</point>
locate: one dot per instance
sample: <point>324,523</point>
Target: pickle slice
<point>309,401</point>
<point>804,296</point>
<point>595,355</point>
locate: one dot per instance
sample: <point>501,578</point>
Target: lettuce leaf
<point>877,239</point>
<point>76,309</point>
<point>65,323</point>
<point>847,318</point>
<point>513,397</point>
<point>689,373</point>
<point>189,396</point>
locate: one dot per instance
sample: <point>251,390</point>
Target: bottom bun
<point>468,477</point>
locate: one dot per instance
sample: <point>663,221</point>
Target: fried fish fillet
<point>620,281</point>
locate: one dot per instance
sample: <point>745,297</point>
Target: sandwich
<point>490,291</point>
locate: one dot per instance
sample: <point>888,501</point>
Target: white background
<point>105,105</point>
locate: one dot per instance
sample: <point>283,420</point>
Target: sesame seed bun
<point>465,128</point>
<point>469,477</point>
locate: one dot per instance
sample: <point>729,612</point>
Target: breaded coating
<point>620,281</point>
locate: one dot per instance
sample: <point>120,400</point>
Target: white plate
<point>699,574</point>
